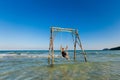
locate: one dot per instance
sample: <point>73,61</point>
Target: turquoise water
<point>33,65</point>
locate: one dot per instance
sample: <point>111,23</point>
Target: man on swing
<point>64,53</point>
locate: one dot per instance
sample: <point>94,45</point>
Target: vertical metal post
<point>80,45</point>
<point>49,55</point>
<point>75,46</point>
<point>52,48</point>
<point>49,59</point>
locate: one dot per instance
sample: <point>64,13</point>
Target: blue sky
<point>24,24</point>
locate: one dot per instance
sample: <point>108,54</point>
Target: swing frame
<point>76,38</point>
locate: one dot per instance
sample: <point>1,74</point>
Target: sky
<point>25,24</point>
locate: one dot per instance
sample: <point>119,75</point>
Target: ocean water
<point>33,65</point>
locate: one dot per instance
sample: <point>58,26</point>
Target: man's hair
<point>62,48</point>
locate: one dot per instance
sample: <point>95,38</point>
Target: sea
<point>34,65</point>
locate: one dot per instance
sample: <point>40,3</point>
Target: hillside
<point>115,48</point>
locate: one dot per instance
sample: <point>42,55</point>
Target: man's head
<point>62,49</point>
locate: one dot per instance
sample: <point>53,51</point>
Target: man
<point>64,53</point>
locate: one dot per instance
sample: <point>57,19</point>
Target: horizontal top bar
<point>59,29</point>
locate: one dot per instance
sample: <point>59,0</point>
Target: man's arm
<point>66,47</point>
<point>61,48</point>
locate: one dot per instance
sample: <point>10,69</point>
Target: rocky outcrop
<point>115,48</point>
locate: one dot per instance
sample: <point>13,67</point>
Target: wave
<point>27,56</point>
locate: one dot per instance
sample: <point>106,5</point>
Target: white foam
<point>26,55</point>
<point>7,55</point>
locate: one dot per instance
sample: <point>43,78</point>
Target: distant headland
<point>114,48</point>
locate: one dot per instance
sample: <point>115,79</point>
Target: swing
<point>64,51</point>
<point>76,40</point>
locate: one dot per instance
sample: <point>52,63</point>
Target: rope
<point>54,35</point>
<point>61,38</point>
<point>73,38</point>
